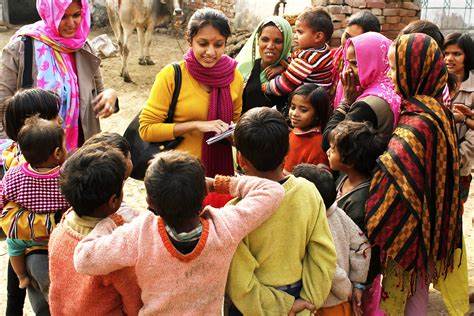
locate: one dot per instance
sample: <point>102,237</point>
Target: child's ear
<point>319,37</point>
<point>243,163</point>
<point>115,201</point>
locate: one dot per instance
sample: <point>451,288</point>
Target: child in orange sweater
<point>92,182</point>
<point>310,109</point>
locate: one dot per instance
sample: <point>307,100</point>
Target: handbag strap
<point>27,80</point>
<point>177,88</point>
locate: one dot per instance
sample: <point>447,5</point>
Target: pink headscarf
<point>51,13</point>
<point>371,50</point>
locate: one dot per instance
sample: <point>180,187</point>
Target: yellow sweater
<point>193,105</point>
<point>294,244</point>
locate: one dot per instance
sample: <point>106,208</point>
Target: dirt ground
<point>165,49</point>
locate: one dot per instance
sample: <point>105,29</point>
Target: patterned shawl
<point>55,61</point>
<point>413,212</point>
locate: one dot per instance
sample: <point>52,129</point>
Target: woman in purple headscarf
<point>62,61</point>
<point>369,94</point>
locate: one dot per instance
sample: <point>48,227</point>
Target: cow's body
<point>142,15</point>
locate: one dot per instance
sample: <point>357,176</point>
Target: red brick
<point>392,19</point>
<point>391,12</point>
<point>320,3</point>
<point>356,3</point>
<point>334,9</point>
<point>410,6</point>
<point>338,17</point>
<point>392,27</point>
<point>381,19</point>
<point>336,1</point>
<point>346,9</point>
<point>392,5</point>
<point>375,4</point>
<point>391,34</point>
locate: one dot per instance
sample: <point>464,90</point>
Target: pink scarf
<point>217,158</point>
<point>55,61</point>
<point>371,50</point>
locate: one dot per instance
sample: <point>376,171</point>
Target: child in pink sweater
<point>181,255</point>
<point>92,181</point>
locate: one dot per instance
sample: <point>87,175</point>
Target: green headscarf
<point>250,52</point>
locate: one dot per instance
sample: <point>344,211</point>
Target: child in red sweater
<point>92,182</point>
<point>310,109</point>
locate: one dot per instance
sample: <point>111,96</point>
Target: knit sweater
<point>353,255</point>
<point>305,147</point>
<point>193,105</point>
<point>294,244</point>
<point>313,65</point>
<point>173,283</point>
<point>71,293</point>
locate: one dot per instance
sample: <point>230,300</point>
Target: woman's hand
<point>349,85</point>
<point>216,126</point>
<point>104,103</point>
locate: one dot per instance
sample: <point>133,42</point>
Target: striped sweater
<point>312,65</point>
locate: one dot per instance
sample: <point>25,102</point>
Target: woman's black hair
<point>425,27</point>
<point>26,103</point>
<point>205,17</point>
<point>319,99</point>
<point>366,20</point>
<point>466,44</point>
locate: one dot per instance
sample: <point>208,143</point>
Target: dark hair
<point>38,139</point>
<point>466,44</point>
<point>205,17</point>
<point>262,137</point>
<point>322,178</point>
<point>26,103</point>
<point>175,183</point>
<point>319,20</point>
<point>358,144</point>
<point>91,176</point>
<point>425,27</point>
<point>366,20</point>
<point>114,139</point>
<point>319,99</point>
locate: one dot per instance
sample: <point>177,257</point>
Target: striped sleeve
<point>307,66</point>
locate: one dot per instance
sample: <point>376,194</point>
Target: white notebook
<point>222,136</point>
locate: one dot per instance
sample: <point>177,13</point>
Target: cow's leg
<point>141,43</point>
<point>148,36</point>
<point>127,31</point>
<point>117,29</point>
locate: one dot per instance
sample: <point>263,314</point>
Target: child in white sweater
<point>352,248</point>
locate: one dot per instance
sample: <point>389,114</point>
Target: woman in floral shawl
<point>63,62</point>
<point>413,212</point>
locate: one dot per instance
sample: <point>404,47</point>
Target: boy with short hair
<point>91,180</point>
<point>352,247</point>
<point>311,62</point>
<point>181,255</point>
<point>292,254</point>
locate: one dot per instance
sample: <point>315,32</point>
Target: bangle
<point>359,286</point>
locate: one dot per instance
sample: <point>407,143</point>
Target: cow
<point>142,15</point>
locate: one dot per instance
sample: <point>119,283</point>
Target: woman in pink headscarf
<point>54,54</point>
<point>369,94</point>
<point>62,61</point>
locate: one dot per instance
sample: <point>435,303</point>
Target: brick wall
<point>226,6</point>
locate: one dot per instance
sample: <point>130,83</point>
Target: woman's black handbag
<point>142,152</point>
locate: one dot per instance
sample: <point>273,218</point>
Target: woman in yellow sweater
<point>209,100</point>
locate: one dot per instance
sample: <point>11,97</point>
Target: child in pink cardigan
<point>92,181</point>
<point>182,256</point>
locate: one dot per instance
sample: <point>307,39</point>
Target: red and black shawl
<point>413,211</point>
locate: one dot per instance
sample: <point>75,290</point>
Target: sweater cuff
<point>222,184</point>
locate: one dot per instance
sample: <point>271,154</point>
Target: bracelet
<point>359,286</point>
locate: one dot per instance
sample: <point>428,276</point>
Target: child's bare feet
<point>24,281</point>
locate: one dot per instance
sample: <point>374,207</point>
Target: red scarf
<point>217,158</point>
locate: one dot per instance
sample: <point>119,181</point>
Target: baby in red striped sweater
<point>311,62</point>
